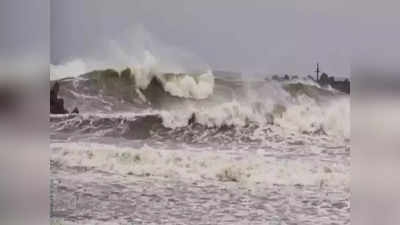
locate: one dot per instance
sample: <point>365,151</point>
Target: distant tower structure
<point>317,71</point>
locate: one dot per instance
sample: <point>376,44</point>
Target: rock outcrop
<point>343,86</point>
<point>323,81</point>
<point>57,104</point>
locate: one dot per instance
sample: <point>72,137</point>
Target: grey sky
<point>250,36</point>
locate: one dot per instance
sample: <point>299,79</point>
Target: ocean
<point>199,148</point>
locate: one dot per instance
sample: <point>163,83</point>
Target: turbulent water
<point>199,148</point>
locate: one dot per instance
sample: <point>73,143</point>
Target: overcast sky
<point>285,36</point>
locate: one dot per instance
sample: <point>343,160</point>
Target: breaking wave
<point>138,104</point>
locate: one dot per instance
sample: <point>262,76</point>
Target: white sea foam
<point>176,82</point>
<point>197,87</point>
<point>306,115</point>
<point>207,166</point>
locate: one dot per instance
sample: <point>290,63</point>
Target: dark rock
<point>57,104</point>
<point>76,110</point>
<point>324,79</point>
<point>192,119</point>
<point>343,86</point>
<point>53,93</point>
<point>286,77</point>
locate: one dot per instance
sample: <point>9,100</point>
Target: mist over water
<point>135,47</point>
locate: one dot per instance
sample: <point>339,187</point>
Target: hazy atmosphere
<point>248,36</point>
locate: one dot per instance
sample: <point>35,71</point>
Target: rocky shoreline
<point>323,81</point>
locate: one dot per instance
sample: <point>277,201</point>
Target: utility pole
<point>317,71</point>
